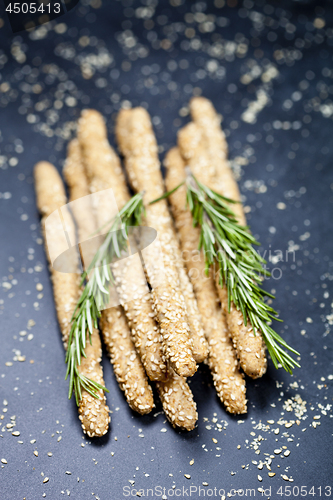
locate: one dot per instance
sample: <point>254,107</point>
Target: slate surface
<point>158,54</point>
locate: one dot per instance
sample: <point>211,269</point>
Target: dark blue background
<point>289,148</point>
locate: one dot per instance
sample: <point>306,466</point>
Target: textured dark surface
<point>287,182</point>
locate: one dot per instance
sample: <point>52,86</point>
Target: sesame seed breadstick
<point>177,401</point>
<point>104,171</point>
<point>197,334</point>
<point>204,114</point>
<point>93,413</point>
<point>179,407</point>
<point>138,145</point>
<point>76,179</point>
<point>222,360</point>
<point>205,117</point>
<point>126,363</point>
<point>204,163</point>
<point>140,317</point>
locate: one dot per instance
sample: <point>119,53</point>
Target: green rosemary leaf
<point>96,281</point>
<point>99,281</point>
<point>240,266</point>
<point>166,195</point>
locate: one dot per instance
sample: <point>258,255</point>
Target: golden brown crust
<point>76,179</point>
<point>207,120</point>
<point>138,145</point>
<point>228,381</point>
<point>97,160</point>
<point>50,192</point>
<point>126,363</point>
<point>131,283</point>
<point>94,413</point>
<point>250,348</point>
<point>74,172</point>
<point>177,401</point>
<point>140,316</point>
<point>199,343</point>
<point>204,115</point>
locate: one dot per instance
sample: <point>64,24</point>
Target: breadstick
<point>138,145</point>
<point>104,171</point>
<point>204,114</point>
<point>197,334</point>
<point>177,401</point>
<point>127,366</point>
<point>77,182</point>
<point>222,361</point>
<point>126,363</point>
<point>206,166</point>
<point>93,413</point>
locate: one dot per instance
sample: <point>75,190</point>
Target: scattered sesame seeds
<point>286,478</point>
<point>91,62</point>
<point>281,205</point>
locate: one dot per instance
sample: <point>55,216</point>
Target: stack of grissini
<point>156,334</point>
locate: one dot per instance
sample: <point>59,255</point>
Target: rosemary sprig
<point>96,294</point>
<point>229,245</point>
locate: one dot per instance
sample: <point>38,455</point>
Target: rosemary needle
<point>96,294</point>
<point>241,269</point>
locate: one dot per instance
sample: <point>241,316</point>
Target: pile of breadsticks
<point>158,333</point>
